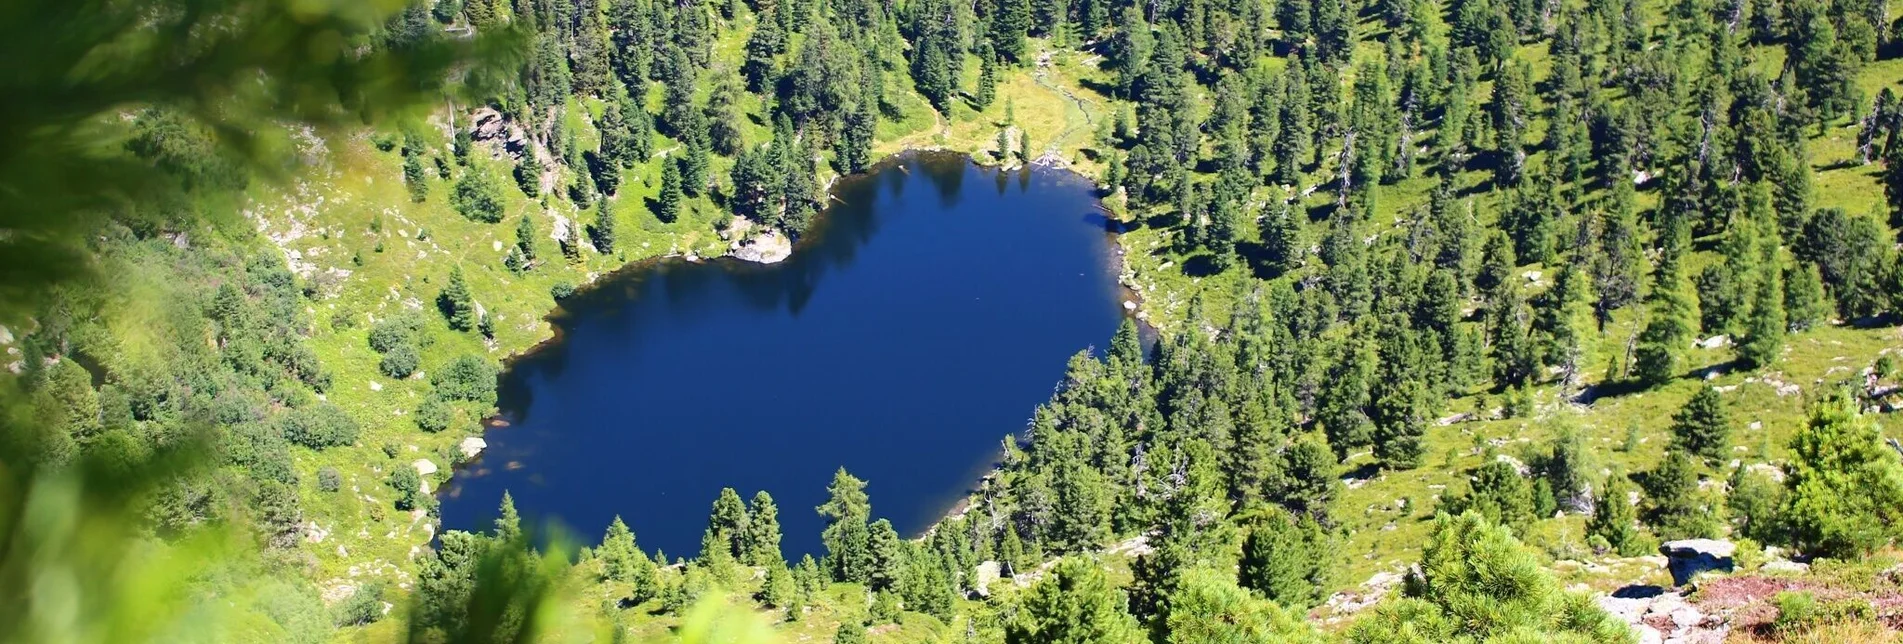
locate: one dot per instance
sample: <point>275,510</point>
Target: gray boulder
<point>1688,557</point>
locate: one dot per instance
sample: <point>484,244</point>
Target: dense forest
<point>1383,242</point>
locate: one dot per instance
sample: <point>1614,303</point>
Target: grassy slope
<point>357,184</point>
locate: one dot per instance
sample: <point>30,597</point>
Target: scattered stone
<point>1714,342</point>
<point>769,247</point>
<point>472,446</point>
<point>987,573</point>
<point>424,467</point>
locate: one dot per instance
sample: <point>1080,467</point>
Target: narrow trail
<point>1042,77</point>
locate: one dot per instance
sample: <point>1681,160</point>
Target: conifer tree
<point>1499,493</point>
<point>1804,299</point>
<point>1675,506</point>
<point>728,520</point>
<point>525,237</point>
<point>1073,603</point>
<point>1280,560</point>
<point>1668,329</point>
<point>1615,519</point>
<point>848,555</point>
<point>602,233</point>
<point>413,178</point>
<point>528,172</point>
<point>1476,582</point>
<point>761,543</point>
<point>668,204</point>
<point>508,522</point>
<point>887,557</point>
<point>1845,488</point>
<point>1703,427</point>
<point>456,303</point>
<point>477,198</point>
<point>1764,331</point>
<point>987,79</point>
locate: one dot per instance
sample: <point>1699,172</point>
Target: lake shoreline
<point>1127,299</point>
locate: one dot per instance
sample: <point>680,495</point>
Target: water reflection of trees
<point>859,207</point>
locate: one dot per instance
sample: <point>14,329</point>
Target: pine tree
<point>456,303</point>
<point>622,561</point>
<point>1208,606</point>
<point>855,142</point>
<point>602,233</point>
<point>1499,493</point>
<point>761,545</point>
<point>668,203</point>
<point>888,556</point>
<point>525,237</point>
<point>848,557</point>
<point>508,522</point>
<point>1763,339</point>
<point>528,173</point>
<point>1280,560</point>
<point>1668,331</point>
<point>1615,519</point>
<point>1675,506</point>
<point>477,198</point>
<point>1476,582</point>
<point>1703,427</point>
<point>413,178</point>
<point>1073,603</point>
<point>1280,234</point>
<point>728,520</point>
<point>1845,488</point>
<point>987,79</point>
<point>850,632</point>
<point>1804,301</point>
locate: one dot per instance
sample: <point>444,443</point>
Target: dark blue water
<point>932,308</point>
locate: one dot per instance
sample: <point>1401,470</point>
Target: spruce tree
<point>1676,507</point>
<point>1615,519</point>
<point>1703,427</point>
<point>508,521</point>
<point>602,233</point>
<point>1804,299</point>
<point>761,545</point>
<point>1763,339</point>
<point>456,303</point>
<point>888,556</point>
<point>668,203</point>
<point>525,237</point>
<point>1280,560</point>
<point>413,178</point>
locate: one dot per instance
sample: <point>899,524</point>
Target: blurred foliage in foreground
<point>78,68</point>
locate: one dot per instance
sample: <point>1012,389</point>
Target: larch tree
<point>847,509</point>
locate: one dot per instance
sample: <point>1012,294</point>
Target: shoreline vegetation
<point>1479,301</point>
<point>1129,298</point>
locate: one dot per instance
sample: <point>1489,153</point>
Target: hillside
<point>1493,296</point>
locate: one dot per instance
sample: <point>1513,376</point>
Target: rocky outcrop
<point>1686,558</point>
<point>769,247</point>
<point>472,446</point>
<point>1663,617</point>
